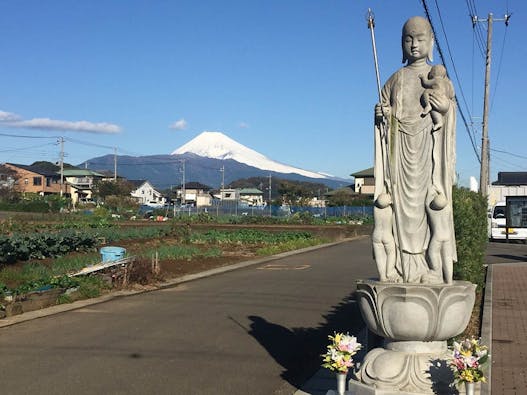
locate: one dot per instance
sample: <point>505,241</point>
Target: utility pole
<point>270,206</point>
<point>183,191</point>
<point>485,150</point>
<point>222,170</point>
<point>61,141</point>
<point>115,163</point>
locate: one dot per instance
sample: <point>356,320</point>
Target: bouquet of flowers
<point>467,358</point>
<point>340,351</point>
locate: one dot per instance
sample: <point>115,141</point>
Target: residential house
<point>344,193</point>
<point>229,195</point>
<point>509,183</point>
<point>364,182</point>
<point>316,202</point>
<point>250,196</point>
<point>145,193</point>
<point>32,179</point>
<point>81,183</point>
<point>195,193</point>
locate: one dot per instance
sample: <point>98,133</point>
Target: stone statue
<point>414,306</point>
<point>415,123</point>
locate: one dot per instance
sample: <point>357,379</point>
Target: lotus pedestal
<point>415,321</point>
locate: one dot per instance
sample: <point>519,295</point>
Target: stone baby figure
<point>437,82</point>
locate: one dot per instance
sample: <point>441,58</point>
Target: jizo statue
<point>415,124</point>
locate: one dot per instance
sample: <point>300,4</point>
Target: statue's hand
<point>380,114</point>
<point>439,103</point>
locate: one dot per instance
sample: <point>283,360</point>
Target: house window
<point>26,181</point>
<point>37,181</point>
<point>227,195</point>
<point>48,182</point>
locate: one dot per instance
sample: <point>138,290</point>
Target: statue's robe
<point>413,164</point>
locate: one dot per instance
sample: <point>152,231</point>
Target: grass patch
<point>71,264</point>
<point>91,286</point>
<point>288,246</point>
<point>182,252</point>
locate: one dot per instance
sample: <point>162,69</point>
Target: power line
<point>509,153</point>
<point>451,58</point>
<point>499,67</point>
<point>512,164</point>
<point>27,136</point>
<point>477,29</point>
<point>26,148</point>
<point>440,51</point>
<point>87,143</point>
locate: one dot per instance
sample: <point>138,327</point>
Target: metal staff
<point>384,135</point>
<point>382,126</point>
<point>371,26</point>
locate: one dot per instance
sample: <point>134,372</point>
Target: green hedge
<point>470,223</point>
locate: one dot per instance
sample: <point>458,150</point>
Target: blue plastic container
<point>111,254</point>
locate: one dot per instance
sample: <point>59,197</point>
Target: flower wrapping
<point>340,351</point>
<point>468,357</point>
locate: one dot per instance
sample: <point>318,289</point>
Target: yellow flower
<point>467,375</point>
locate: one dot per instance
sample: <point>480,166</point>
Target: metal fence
<point>233,209</point>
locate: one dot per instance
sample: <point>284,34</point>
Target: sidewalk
<point>504,328</point>
<point>509,329</point>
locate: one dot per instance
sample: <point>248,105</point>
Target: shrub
<point>470,223</point>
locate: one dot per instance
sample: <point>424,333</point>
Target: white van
<point>497,225</point>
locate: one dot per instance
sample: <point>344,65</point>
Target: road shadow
<point>521,258</point>
<point>299,350</point>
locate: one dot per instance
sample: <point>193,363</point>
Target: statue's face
<point>417,39</point>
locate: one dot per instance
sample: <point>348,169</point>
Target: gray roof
<point>364,173</point>
<point>511,178</point>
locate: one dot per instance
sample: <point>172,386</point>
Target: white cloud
<point>8,116</point>
<point>243,125</point>
<point>15,121</point>
<point>180,124</point>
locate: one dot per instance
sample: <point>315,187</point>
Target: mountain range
<point>210,158</point>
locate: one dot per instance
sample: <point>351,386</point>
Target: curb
<point>486,328</point>
<point>62,308</point>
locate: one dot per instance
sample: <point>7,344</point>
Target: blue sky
<point>291,79</point>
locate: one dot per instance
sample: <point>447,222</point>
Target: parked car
<point>497,225</point>
<point>155,204</point>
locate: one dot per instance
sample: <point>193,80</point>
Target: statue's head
<point>417,40</point>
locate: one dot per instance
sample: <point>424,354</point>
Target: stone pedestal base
<point>407,368</point>
<point>415,321</point>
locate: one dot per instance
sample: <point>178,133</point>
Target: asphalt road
<point>258,330</point>
<point>503,252</point>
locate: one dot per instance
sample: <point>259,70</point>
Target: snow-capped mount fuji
<point>217,145</point>
<point>210,159</point>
